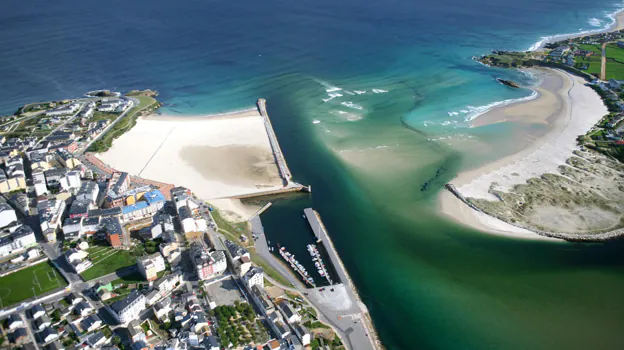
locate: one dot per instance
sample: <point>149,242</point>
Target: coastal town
<point>96,258</point>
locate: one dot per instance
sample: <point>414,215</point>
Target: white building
<point>150,265</point>
<point>290,315</point>
<point>16,240</point>
<point>64,110</point>
<point>167,284</point>
<point>77,259</point>
<point>70,181</point>
<point>254,277</point>
<point>128,309</point>
<point>39,182</point>
<point>88,191</point>
<point>7,215</point>
<point>72,228</point>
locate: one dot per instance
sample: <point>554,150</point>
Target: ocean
<point>370,101</point>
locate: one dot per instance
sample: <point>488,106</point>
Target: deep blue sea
<point>343,79</point>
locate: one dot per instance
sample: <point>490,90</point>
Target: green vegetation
<point>315,325</point>
<point>129,279</point>
<point>237,325</point>
<point>235,229</point>
<point>29,282</point>
<point>107,260</point>
<point>146,105</point>
<point>593,62</point>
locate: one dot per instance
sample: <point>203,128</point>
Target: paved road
<point>262,248</point>
<point>29,329</point>
<point>110,126</point>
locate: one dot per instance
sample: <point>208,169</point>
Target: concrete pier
<point>277,151</point>
<point>342,303</point>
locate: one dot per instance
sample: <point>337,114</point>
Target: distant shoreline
<point>618,24</point>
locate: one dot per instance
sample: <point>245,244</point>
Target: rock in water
<point>508,83</point>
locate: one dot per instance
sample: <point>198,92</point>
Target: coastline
<point>617,24</point>
<point>566,110</point>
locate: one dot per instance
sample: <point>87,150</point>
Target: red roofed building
<point>113,240</point>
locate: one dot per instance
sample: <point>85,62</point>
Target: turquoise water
<point>427,282</point>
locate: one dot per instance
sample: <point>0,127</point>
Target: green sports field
<point>31,281</point>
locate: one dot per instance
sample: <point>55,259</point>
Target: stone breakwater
<point>571,237</point>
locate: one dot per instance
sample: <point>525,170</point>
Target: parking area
<point>224,292</point>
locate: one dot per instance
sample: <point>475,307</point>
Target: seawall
<point>277,151</point>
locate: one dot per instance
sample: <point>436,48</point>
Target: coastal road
<point>135,104</point>
<point>603,62</point>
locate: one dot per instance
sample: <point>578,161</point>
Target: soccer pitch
<point>29,282</point>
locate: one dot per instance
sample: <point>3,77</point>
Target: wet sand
<point>216,156</point>
<point>567,108</point>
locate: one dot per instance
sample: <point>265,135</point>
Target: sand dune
<point>567,107</point>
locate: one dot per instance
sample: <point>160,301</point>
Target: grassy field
<point>615,62</point>
<point>107,260</point>
<point>24,284</point>
<point>592,61</point>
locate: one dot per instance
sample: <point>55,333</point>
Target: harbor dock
<point>361,333</point>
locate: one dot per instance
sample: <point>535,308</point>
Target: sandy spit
<point>568,108</point>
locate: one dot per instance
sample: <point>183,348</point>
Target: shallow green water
<point>429,283</point>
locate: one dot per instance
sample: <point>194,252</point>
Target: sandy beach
<point>216,156</point>
<point>567,108</point>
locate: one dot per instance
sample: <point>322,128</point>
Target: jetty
<point>342,303</point>
<point>451,188</point>
<point>277,151</point>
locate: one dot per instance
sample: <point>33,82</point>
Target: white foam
<point>328,99</point>
<point>472,112</point>
<point>594,22</point>
<point>610,23</point>
<point>334,95</point>
<point>359,92</point>
<point>348,92</point>
<point>343,112</point>
<point>351,105</point>
<point>379,91</point>
<point>316,121</point>
<point>453,113</point>
<point>332,89</point>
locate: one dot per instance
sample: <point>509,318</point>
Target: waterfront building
<point>254,277</point>
<point>290,315</point>
<point>150,204</point>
